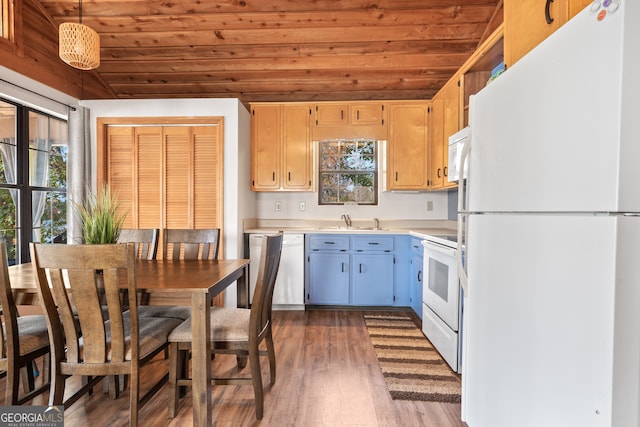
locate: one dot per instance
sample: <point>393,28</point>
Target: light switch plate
<point>278,206</point>
<point>302,205</point>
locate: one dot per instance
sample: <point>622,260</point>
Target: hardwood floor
<point>327,375</point>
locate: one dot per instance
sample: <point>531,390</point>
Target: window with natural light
<point>33,179</point>
<point>348,172</point>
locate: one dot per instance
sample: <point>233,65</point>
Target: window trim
<point>376,173</point>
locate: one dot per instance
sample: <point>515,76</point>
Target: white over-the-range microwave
<point>456,144</point>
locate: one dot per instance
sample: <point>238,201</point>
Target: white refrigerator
<point>550,215</point>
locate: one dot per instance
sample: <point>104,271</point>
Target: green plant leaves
<point>101,221</point>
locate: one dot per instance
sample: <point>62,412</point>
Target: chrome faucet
<point>376,222</point>
<point>347,219</point>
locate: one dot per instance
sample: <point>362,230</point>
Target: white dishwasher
<point>289,289</point>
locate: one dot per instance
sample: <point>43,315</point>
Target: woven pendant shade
<point>79,46</point>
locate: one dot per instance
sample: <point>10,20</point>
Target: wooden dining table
<point>166,282</point>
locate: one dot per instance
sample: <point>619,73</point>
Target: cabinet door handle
<point>373,243</point>
<point>419,276</point>
<point>439,173</point>
<point>358,115</point>
<point>289,176</point>
<point>547,12</point>
<point>360,268</point>
<point>273,176</point>
<point>396,176</point>
<point>445,171</point>
<point>341,114</point>
<point>342,266</point>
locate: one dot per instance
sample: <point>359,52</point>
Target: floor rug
<point>412,368</point>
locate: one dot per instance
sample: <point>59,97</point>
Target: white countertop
<point>416,228</point>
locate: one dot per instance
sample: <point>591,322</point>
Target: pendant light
<point>79,44</point>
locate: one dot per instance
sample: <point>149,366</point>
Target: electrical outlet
<point>302,205</point>
<point>278,206</point>
<point>429,205</point>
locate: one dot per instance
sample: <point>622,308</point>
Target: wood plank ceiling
<point>281,50</point>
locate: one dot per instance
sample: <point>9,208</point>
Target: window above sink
<point>348,172</point>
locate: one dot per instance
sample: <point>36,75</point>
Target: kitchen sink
<point>348,229</point>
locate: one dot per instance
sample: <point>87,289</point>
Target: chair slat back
<point>145,240</point>
<point>191,244</point>
<point>265,283</point>
<point>76,276</point>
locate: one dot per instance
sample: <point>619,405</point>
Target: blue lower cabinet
<point>402,288</point>
<point>359,270</point>
<point>372,279</point>
<point>416,284</point>
<point>328,275</point>
<point>416,275</point>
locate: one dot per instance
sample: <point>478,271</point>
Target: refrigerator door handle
<point>463,183</point>
<point>463,201</point>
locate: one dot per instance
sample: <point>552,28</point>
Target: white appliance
<point>550,219</point>
<point>441,309</point>
<point>456,145</point>
<point>288,292</point>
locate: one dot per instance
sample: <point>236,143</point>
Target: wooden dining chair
<point>146,248</point>
<point>23,339</point>
<point>238,331</point>
<point>190,244</point>
<point>184,244</point>
<point>72,275</point>
<point>144,239</point>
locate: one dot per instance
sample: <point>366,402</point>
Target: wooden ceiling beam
<point>336,35</point>
<point>162,7</point>
<point>273,96</point>
<point>290,20</point>
<point>237,78</point>
<point>240,52</point>
<point>272,65</point>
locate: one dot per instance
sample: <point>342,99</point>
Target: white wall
<point>238,200</point>
<point>390,206</point>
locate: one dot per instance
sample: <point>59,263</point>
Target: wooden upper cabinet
<point>266,131</point>
<point>296,147</point>
<point>280,147</point>
<point>576,6</point>
<point>528,22</point>
<point>367,114</point>
<point>445,121</point>
<point>331,114</point>
<point>451,123</point>
<point>407,147</point>
<point>343,114</point>
<point>436,146</point>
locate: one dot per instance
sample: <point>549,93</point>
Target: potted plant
<point>101,220</point>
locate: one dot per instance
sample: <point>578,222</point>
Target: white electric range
<point>442,298</point>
